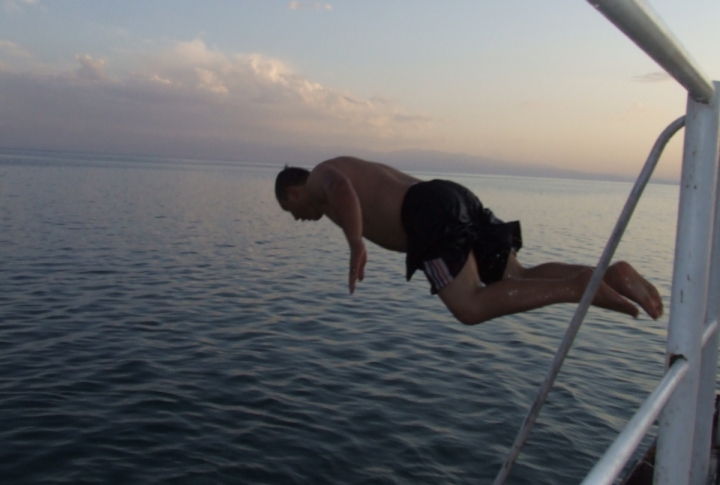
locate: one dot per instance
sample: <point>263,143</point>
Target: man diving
<point>466,253</point>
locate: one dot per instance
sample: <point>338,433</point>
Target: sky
<point>536,82</point>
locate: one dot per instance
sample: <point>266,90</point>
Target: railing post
<point>709,354</point>
<point>638,20</point>
<point>689,290</point>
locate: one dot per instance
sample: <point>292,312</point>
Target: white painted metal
<point>700,464</point>
<point>717,425</point>
<point>710,328</point>
<point>611,464</point>
<point>685,396</point>
<point>639,22</point>
<point>586,299</point>
<point>689,290</point>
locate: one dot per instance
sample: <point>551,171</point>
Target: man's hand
<point>358,258</point>
<point>336,194</point>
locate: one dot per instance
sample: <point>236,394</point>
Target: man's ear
<point>292,192</point>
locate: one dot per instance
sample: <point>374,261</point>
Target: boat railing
<point>683,400</point>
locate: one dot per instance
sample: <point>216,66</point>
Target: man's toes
<point>653,309</point>
<point>630,309</point>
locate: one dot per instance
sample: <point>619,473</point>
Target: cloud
<point>653,77</point>
<point>15,57</point>
<point>12,49</point>
<point>209,81</point>
<point>17,5</point>
<point>190,95</point>
<point>309,6</point>
<point>90,69</point>
<point>412,118</point>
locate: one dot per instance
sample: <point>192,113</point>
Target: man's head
<point>292,195</point>
<point>289,177</point>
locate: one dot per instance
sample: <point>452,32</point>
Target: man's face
<point>298,205</point>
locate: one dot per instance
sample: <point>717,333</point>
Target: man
<point>466,253</point>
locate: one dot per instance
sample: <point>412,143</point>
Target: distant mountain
<point>442,162</point>
<point>427,161</point>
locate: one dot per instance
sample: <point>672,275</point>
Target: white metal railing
<point>683,450</point>
<point>684,433</point>
<point>684,398</point>
<point>710,330</point>
<point>611,464</point>
<point>638,21</point>
<point>588,296</point>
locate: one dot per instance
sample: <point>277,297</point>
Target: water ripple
<point>169,324</point>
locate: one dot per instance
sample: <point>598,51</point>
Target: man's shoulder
<point>326,174</point>
<point>327,168</point>
<point>344,164</point>
<point>345,159</point>
<point>340,166</point>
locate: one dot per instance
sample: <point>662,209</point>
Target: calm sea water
<point>163,321</point>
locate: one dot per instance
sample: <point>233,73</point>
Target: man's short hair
<point>289,177</point>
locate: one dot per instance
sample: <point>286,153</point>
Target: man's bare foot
<point>606,297</point>
<point>623,278</point>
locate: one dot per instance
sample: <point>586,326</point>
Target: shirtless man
<point>466,253</point>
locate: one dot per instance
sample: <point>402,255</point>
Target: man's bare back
<point>365,199</point>
<point>380,191</point>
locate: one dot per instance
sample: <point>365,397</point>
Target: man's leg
<point>620,276</point>
<point>472,303</point>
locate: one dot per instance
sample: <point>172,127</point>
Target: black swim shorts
<point>443,221</point>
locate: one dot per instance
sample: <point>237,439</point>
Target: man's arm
<point>344,209</point>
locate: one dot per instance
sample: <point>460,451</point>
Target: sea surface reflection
<point>163,321</point>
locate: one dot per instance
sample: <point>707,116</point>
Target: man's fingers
<point>357,267</point>
<point>352,280</point>
<point>361,270</point>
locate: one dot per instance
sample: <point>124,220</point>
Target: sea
<point>163,321</point>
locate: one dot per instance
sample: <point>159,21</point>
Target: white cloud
<point>16,58</point>
<point>158,79</point>
<point>209,81</point>
<point>653,77</point>
<point>309,6</point>
<point>190,93</point>
<point>17,5</point>
<point>12,49</point>
<point>258,80</point>
<point>90,69</point>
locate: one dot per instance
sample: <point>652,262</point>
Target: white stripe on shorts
<point>438,272</point>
